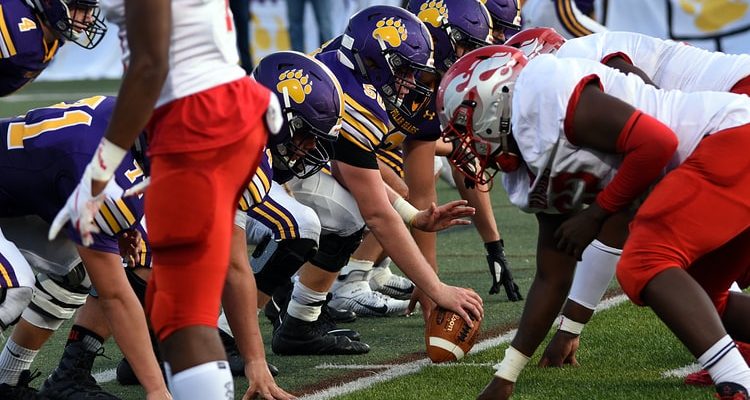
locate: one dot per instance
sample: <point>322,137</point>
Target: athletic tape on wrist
<point>407,211</point>
<point>512,364</point>
<point>107,158</point>
<point>568,325</point>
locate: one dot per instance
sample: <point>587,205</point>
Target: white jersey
<point>670,64</point>
<point>202,50</point>
<point>560,176</point>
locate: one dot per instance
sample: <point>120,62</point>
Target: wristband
<point>570,326</point>
<point>107,158</point>
<point>407,211</point>
<point>512,364</point>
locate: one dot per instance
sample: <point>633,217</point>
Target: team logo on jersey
<point>390,30</point>
<point>296,84</point>
<point>434,13</point>
<point>26,25</point>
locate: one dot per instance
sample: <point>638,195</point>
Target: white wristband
<point>512,364</point>
<point>407,211</point>
<point>570,326</point>
<point>107,158</point>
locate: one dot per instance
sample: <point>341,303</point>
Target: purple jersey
<point>23,51</point>
<point>423,126</point>
<point>42,159</point>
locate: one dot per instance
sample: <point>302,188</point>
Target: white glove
<point>80,209</point>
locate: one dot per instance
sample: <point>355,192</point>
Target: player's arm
<point>622,64</point>
<point>369,191</point>
<point>393,180</point>
<point>608,124</point>
<point>149,23</point>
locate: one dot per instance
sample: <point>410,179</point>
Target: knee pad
<point>274,262</point>
<point>57,297</point>
<point>12,303</point>
<point>138,285</point>
<point>334,250</point>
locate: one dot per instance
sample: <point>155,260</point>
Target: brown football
<point>448,337</point>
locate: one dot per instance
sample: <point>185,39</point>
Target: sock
<point>356,270</point>
<point>212,380</point>
<point>725,363</point>
<point>305,303</point>
<point>13,360</point>
<point>91,341</point>
<point>386,263</point>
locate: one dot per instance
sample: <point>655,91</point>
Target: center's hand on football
<point>575,234</point>
<point>436,218</point>
<point>561,350</point>
<point>462,301</point>
<point>262,384</point>
<point>497,389</point>
<point>80,209</point>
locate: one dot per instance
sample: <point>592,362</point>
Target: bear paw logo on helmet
<point>391,31</point>
<point>296,83</point>
<point>434,13</point>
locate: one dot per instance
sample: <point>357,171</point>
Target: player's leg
<point>300,331</point>
<point>677,226</point>
<point>16,290</point>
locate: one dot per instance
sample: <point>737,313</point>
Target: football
<point>448,337</point>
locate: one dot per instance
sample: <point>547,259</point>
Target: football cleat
<point>21,391</point>
<point>386,282</point>
<point>358,297</point>
<point>298,337</point>
<point>72,379</point>
<point>731,391</point>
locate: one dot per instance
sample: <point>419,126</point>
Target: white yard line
<point>682,372</point>
<point>399,370</point>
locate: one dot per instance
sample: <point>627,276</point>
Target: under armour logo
<point>429,115</point>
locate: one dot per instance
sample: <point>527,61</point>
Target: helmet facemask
<point>412,84</point>
<point>476,157</point>
<point>302,160</point>
<point>460,38</point>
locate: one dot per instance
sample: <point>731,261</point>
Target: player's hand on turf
<point>80,209</point>
<point>461,301</point>
<point>262,384</point>
<point>575,234</point>
<point>497,389</point>
<point>436,218</point>
<point>561,350</point>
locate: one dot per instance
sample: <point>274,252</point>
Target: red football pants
<point>190,209</point>
<point>697,218</point>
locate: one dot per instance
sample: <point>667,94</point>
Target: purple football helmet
<point>452,23</point>
<point>391,49</point>
<point>312,107</point>
<point>506,16</point>
<point>78,21</point>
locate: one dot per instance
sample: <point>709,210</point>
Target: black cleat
<point>72,379</point>
<point>297,337</point>
<point>21,391</point>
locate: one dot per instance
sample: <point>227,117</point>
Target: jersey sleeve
<point>259,185</point>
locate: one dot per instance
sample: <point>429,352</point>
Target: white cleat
<point>384,281</point>
<point>358,297</point>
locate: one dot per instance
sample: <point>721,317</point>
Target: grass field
<point>626,352</point>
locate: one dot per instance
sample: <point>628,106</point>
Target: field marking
<point>385,366</point>
<point>399,370</point>
<point>682,372</point>
<point>108,375</point>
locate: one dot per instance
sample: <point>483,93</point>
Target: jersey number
<point>20,131</point>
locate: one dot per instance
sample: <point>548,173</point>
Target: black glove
<point>500,271</point>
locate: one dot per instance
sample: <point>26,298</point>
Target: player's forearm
<point>396,240</point>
